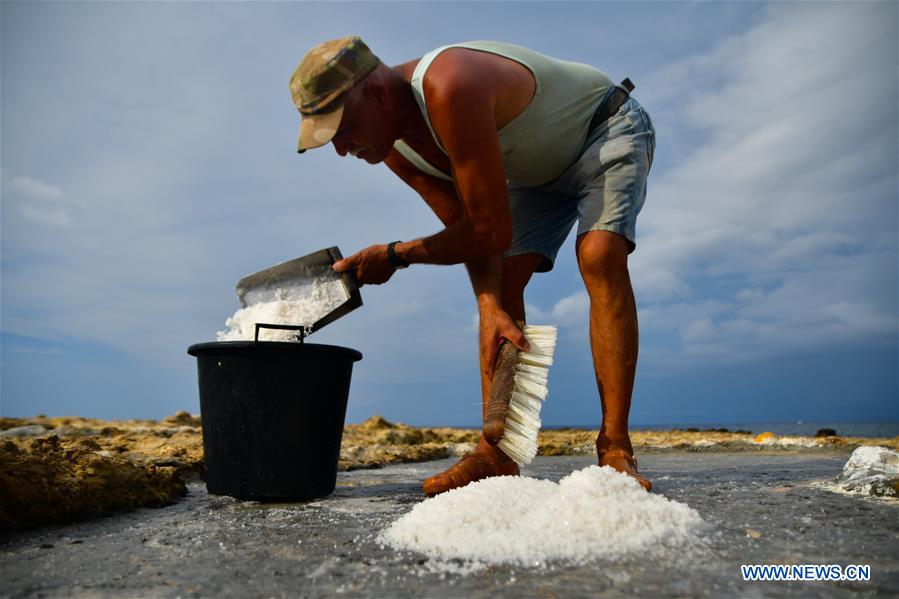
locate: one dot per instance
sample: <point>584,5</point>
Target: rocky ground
<point>771,506</point>
<point>59,469</point>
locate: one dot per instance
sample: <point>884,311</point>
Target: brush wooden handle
<point>500,393</point>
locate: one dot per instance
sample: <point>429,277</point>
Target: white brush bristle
<point>530,389</point>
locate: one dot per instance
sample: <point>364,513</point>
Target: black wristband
<point>395,260</point>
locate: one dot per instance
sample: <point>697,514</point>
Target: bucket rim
<point>244,347</point>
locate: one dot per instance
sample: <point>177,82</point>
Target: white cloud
<point>792,190</point>
<point>699,329</point>
<point>45,215</point>
<point>185,183</point>
<point>34,189</point>
<point>38,202</point>
<point>573,309</point>
<point>770,219</point>
<point>535,314</point>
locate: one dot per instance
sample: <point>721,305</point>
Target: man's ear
<point>376,91</point>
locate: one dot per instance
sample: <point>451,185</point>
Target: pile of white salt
<point>294,305</point>
<point>593,513</point>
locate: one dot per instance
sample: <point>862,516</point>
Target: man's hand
<point>496,325</point>
<point>371,266</point>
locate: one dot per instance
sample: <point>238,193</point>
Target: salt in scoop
<point>305,291</point>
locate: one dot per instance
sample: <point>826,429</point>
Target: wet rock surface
<point>46,480</point>
<point>377,442</point>
<point>104,466</point>
<point>763,507</point>
<point>66,468</point>
<point>871,471</point>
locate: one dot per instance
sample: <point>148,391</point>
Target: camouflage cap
<point>319,83</point>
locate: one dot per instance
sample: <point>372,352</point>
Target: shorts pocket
<point>616,151</point>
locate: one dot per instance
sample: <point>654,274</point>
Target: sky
<point>148,163</point>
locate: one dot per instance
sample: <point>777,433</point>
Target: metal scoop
<point>294,279</point>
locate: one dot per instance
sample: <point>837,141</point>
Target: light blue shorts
<point>603,190</point>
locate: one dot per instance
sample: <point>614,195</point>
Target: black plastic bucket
<point>273,415</point>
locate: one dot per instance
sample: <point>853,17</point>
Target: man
<point>508,147</point>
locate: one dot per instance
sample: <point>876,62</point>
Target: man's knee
<point>602,255</point>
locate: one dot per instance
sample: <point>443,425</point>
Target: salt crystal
<point>590,514</point>
<point>301,305</point>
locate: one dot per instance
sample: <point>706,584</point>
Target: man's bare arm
<point>485,273</point>
<point>462,115</point>
<point>438,194</point>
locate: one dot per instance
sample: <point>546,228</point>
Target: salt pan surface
<point>590,514</point>
<point>297,305</point>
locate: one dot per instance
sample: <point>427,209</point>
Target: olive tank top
<point>549,134</point>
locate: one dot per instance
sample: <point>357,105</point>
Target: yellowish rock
<point>75,467</point>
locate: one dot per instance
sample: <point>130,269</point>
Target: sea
<point>882,428</point>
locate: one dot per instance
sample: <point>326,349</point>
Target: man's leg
<point>487,460</point>
<point>614,340</point>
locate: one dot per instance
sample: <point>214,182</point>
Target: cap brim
<point>318,129</point>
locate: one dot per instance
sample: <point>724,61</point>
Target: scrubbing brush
<point>517,394</point>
